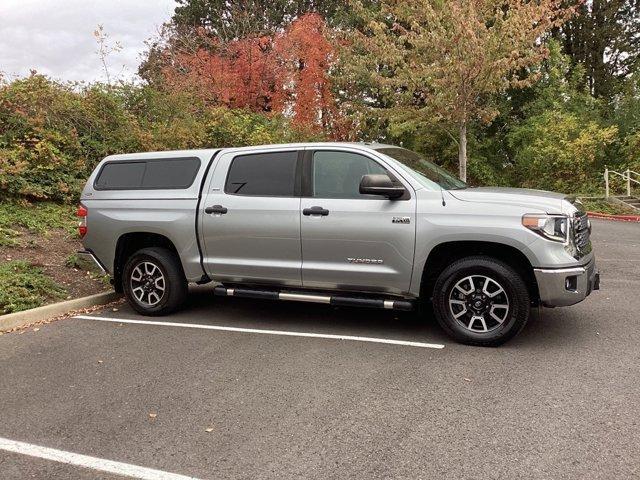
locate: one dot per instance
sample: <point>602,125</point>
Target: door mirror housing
<point>380,184</point>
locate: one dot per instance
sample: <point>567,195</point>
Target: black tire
<point>174,283</point>
<point>476,324</point>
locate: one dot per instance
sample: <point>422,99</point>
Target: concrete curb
<point>617,218</point>
<point>18,319</point>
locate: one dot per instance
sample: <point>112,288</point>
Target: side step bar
<point>339,301</point>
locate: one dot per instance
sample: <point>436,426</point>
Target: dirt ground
<point>51,252</point>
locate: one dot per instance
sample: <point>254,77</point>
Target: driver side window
<point>338,174</point>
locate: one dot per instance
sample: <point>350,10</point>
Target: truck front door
<point>250,218</point>
<point>352,241</point>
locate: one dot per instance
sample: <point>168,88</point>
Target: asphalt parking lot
<point>562,400</point>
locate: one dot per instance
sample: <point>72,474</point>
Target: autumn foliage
<point>303,55</point>
<point>283,73</point>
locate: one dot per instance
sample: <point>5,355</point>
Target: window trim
<point>307,176</point>
<point>297,182</point>
<point>146,161</point>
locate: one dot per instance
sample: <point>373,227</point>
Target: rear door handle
<point>216,209</point>
<point>315,211</point>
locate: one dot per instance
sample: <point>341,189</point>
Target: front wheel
<point>481,301</point>
<point>153,281</point>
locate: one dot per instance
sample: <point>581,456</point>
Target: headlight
<point>552,227</point>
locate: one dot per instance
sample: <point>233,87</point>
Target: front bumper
<point>567,286</point>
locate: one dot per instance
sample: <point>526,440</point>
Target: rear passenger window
<point>263,175</point>
<point>155,174</point>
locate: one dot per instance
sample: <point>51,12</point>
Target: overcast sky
<point>55,37</point>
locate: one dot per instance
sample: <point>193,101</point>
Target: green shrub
<point>631,151</point>
<point>226,128</point>
<point>23,286</point>
<point>558,151</point>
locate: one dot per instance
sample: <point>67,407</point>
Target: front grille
<point>581,231</point>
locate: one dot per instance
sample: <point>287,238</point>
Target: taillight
<point>82,224</point>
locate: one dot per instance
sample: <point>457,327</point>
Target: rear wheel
<point>153,281</point>
<point>481,301</point>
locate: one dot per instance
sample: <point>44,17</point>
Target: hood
<point>548,202</point>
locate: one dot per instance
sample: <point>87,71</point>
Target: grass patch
<point>23,286</point>
<point>602,205</point>
<point>38,218</point>
<point>8,237</point>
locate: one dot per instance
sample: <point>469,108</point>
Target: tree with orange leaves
<point>238,74</point>
<point>303,87</point>
<point>286,73</point>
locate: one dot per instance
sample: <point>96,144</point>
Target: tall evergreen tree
<point>243,18</point>
<point>604,37</point>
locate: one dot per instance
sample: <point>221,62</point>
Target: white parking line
<point>85,461</point>
<point>265,332</point>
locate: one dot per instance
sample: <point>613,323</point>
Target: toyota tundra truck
<point>362,224</point>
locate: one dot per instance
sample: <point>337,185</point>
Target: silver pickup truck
<point>367,225</point>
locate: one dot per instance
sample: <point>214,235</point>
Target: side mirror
<point>382,185</point>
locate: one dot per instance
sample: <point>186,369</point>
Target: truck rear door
<point>250,218</point>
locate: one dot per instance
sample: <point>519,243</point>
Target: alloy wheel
<point>479,303</point>
<point>147,283</point>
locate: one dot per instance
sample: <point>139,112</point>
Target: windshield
<point>423,171</point>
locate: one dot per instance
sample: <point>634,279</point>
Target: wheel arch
<point>445,253</point>
<point>131,242</point>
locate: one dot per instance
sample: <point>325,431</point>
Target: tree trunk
<point>462,152</point>
<point>600,29</point>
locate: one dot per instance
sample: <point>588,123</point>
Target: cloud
<point>55,37</point>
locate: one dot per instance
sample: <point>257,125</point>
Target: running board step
<point>339,301</point>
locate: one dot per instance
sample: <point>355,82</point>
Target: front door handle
<point>216,209</point>
<point>315,211</point>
